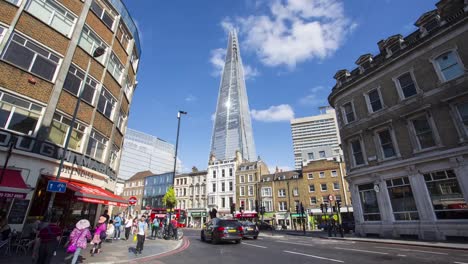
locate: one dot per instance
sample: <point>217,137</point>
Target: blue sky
<point>290,49</point>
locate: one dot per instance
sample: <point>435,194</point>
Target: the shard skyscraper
<point>232,127</point>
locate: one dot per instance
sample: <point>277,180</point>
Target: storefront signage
<point>12,195</point>
<point>48,149</point>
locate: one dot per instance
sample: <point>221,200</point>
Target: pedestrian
<point>128,226</point>
<point>110,231</point>
<point>49,236</point>
<point>155,227</point>
<point>117,225</point>
<point>141,233</point>
<point>99,235</point>
<point>79,238</point>
<point>106,215</point>
<point>174,227</point>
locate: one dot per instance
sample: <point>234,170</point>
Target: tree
<point>169,199</point>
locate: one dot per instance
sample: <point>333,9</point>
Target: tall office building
<point>142,151</point>
<point>233,128</point>
<point>310,133</point>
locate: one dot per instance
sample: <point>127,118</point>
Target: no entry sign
<point>132,200</point>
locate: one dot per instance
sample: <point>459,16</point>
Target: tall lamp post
<point>99,51</point>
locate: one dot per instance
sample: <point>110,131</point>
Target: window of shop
<point>89,41</point>
<point>402,200</point>
<point>105,15</point>
<point>369,204</point>
<point>31,57</point>
<point>60,128</point>
<point>446,195</point>
<point>115,67</point>
<point>282,193</point>
<point>96,145</point>
<point>106,103</point>
<point>282,206</point>
<point>19,115</point>
<point>73,83</point>
<point>53,14</point>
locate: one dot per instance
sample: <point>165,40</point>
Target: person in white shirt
<point>128,226</point>
<point>142,229</point>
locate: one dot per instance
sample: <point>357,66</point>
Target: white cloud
<point>277,113</point>
<point>217,60</point>
<point>316,96</point>
<point>190,98</point>
<point>295,31</point>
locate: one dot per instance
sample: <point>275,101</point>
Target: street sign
<point>132,200</point>
<point>56,186</point>
<point>331,197</point>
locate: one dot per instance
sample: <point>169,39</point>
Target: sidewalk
<point>119,251</point>
<point>352,237</point>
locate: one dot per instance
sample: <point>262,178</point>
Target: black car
<point>250,229</point>
<point>218,229</point>
<point>264,226</point>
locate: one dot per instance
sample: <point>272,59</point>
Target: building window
<point>123,36</point>
<point>296,192</point>
<point>402,200</point>
<point>313,200</point>
<point>325,198</point>
<point>369,204</point>
<point>128,86</point>
<point>19,115</point>
<point>310,176</point>
<point>30,57</point>
<point>250,178</point>
<point>336,186</point>
<point>282,193</point>
<point>448,66</point>
<point>406,86</point>
<point>266,192</point>
<point>348,110</point>
<point>323,187</point>
<point>89,41</point>
<point>230,172</point>
<point>423,132</point>
<point>2,32</point>
<point>282,206</point>
<point>53,14</point>
<point>322,154</point>
<point>214,174</point>
<point>446,195</point>
<point>230,186</point>
<point>60,128</point>
<point>106,103</point>
<point>322,174</point>
<point>251,190</point>
<point>374,102</point>
<point>15,2</point>
<point>223,173</point>
<point>334,174</point>
<point>310,155</point>
<point>115,67</point>
<point>73,83</point>
<point>96,145</point>
<point>356,151</point>
<point>113,156</point>
<point>214,187</point>
<point>121,120</point>
<point>268,206</point>
<point>386,144</point>
<point>242,191</point>
<point>223,186</point>
<point>338,197</point>
<point>103,14</point>
<point>311,188</point>
<point>242,178</point>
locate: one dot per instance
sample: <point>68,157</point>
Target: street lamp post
<point>99,51</point>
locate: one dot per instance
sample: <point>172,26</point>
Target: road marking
<point>312,256</point>
<point>415,250</point>
<point>253,245</point>
<point>261,238</point>
<point>456,262</point>
<point>401,255</point>
<point>301,244</point>
<point>360,250</point>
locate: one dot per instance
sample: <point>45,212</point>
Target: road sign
<point>56,186</point>
<point>132,200</point>
<point>331,197</point>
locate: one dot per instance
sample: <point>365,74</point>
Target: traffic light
<point>338,204</point>
<point>321,207</point>
<point>233,208</point>
<point>242,206</point>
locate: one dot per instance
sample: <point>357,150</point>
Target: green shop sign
<point>297,215</point>
<point>198,214</point>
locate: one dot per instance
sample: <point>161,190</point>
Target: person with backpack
<point>99,235</point>
<point>117,225</point>
<point>79,239</point>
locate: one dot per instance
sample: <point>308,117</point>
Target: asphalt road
<point>293,249</point>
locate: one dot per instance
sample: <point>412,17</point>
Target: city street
<point>294,249</point>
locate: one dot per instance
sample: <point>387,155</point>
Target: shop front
<point>282,220</point>
<point>197,217</point>
<point>13,191</point>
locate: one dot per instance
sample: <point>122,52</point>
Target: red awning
<point>12,185</point>
<point>93,194</point>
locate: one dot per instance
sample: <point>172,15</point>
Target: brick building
<point>135,186</point>
<point>247,187</point>
<point>402,116</point>
<point>46,62</point>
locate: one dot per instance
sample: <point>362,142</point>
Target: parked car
<point>250,229</point>
<point>262,225</point>
<point>217,230</point>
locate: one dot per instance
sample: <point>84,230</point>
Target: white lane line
<point>456,262</point>
<point>414,250</point>
<point>261,238</point>
<point>401,255</point>
<point>301,244</point>
<point>253,245</point>
<point>360,250</point>
<point>312,256</point>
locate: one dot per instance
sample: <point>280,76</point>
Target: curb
<point>182,245</point>
<point>397,242</point>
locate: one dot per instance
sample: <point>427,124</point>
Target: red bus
<point>162,213</point>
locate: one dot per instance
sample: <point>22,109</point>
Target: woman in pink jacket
<point>97,238</point>
<point>79,237</point>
